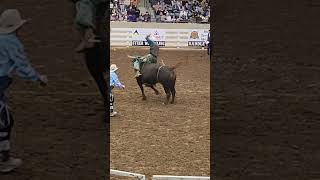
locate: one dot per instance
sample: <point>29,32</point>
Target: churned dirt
<point>151,138</point>
<point>265,90</point>
<point>58,130</point>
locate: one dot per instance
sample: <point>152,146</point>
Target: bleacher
<point>193,15</point>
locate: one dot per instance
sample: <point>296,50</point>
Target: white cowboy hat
<point>10,21</point>
<point>113,68</point>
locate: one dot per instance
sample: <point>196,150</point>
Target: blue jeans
<point>6,121</point>
<point>111,102</point>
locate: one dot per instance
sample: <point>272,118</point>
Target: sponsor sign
<point>164,37</point>
<point>198,37</point>
<point>139,35</point>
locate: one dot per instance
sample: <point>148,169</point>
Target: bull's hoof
<point>171,102</point>
<point>144,98</point>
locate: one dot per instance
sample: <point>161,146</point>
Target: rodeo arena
<point>151,139</point>
<point>60,129</point>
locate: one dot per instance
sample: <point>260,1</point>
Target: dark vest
<point>154,50</point>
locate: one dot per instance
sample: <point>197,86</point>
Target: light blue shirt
<point>114,80</point>
<point>14,59</point>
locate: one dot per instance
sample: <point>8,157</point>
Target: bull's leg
<point>155,90</point>
<point>168,94</point>
<point>96,69</point>
<point>173,92</point>
<point>173,89</point>
<point>141,88</point>
<point>152,87</point>
<point>98,76</point>
<point>142,91</point>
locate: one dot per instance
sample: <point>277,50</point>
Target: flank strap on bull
<point>158,73</point>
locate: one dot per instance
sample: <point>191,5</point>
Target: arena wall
<point>166,34</point>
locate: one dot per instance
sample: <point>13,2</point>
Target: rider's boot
<point>87,41</point>
<point>8,163</point>
<point>112,114</point>
<point>137,74</point>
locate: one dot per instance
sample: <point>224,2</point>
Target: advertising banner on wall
<point>198,37</point>
<point>139,35</point>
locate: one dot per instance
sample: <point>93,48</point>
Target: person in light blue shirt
<point>114,82</point>
<point>13,60</point>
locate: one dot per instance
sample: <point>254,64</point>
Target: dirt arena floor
<point>266,90</point>
<point>151,138</point>
<point>58,130</point>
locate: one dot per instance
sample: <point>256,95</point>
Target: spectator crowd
<point>120,11</point>
<point>170,11</point>
<point>195,11</point>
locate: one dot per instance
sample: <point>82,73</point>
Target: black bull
<point>156,73</point>
<point>97,57</point>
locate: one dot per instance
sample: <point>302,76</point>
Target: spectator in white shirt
<point>183,13</point>
<point>162,17</point>
<point>168,18</point>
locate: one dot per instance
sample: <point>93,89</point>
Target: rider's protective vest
<point>154,47</point>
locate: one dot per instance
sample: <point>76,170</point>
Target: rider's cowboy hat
<point>10,21</point>
<point>113,68</point>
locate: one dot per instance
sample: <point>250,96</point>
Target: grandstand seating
<point>182,11</point>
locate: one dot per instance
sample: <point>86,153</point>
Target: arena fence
<point>166,35</point>
<point>127,174</point>
<point>167,177</point>
<point>156,177</point>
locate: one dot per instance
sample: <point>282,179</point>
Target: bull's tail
<point>173,76</point>
<point>162,62</point>
<point>175,66</point>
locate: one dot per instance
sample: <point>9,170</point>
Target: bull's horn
<point>131,56</point>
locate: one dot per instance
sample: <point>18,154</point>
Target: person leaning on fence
<point>84,22</point>
<point>208,44</point>
<point>114,82</point>
<point>12,59</point>
<point>151,57</point>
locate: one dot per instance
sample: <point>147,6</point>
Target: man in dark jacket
<point>84,22</point>
<point>209,44</point>
<point>151,57</point>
